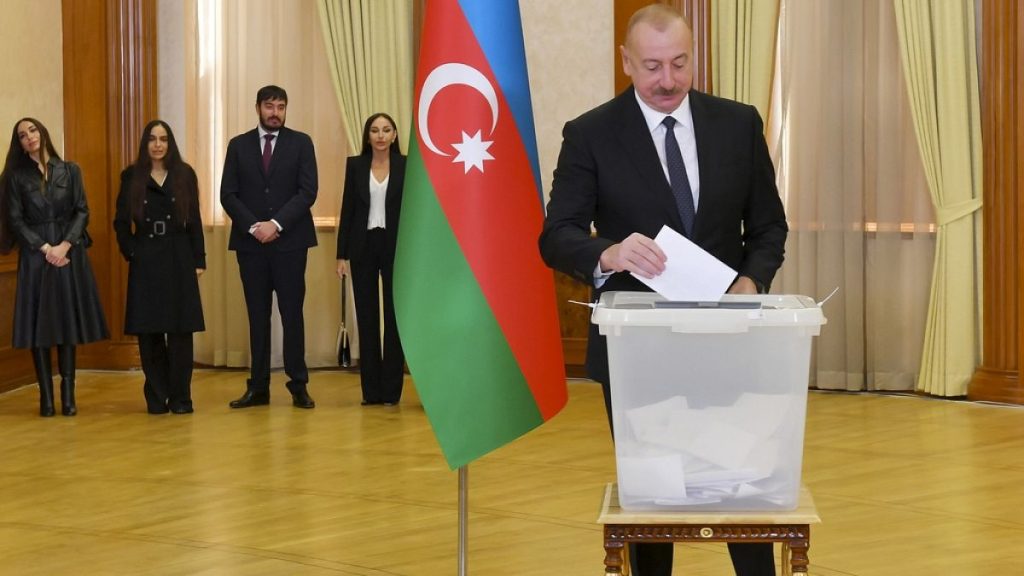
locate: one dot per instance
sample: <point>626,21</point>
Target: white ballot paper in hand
<point>691,274</point>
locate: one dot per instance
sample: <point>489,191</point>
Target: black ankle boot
<point>67,397</point>
<point>44,375</point>
<point>66,362</point>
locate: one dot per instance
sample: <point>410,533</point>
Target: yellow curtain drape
<point>369,52</point>
<point>743,50</point>
<point>937,47</point>
<point>369,49</point>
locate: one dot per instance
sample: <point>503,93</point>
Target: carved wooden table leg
<point>613,558</point>
<point>798,557</point>
<point>787,565</point>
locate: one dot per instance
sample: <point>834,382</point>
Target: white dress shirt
<point>684,135</point>
<point>263,133</point>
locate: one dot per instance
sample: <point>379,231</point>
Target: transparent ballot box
<point>708,399</point>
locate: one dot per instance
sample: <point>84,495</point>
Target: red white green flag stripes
<point>475,303</point>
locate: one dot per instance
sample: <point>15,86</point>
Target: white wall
<point>570,57</point>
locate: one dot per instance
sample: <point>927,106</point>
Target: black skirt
<point>56,306</point>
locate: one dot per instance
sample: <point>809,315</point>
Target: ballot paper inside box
<point>708,402</point>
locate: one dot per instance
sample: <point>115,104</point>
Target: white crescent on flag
<point>472,150</point>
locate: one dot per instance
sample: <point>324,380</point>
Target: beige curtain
<point>235,47</point>
<point>369,53</point>
<point>937,46</point>
<point>855,192</point>
<point>369,50</point>
<point>743,50</point>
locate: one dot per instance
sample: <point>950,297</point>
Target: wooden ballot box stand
<point>791,528</point>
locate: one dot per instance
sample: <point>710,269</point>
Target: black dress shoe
<point>300,397</point>
<point>369,402</point>
<point>251,398</point>
<point>157,409</point>
<point>182,408</point>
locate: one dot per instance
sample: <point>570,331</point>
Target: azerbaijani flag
<point>475,303</point>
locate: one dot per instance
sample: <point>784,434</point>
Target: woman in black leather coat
<point>56,304</point>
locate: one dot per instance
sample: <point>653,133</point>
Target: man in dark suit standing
<point>660,154</point>
<point>268,189</point>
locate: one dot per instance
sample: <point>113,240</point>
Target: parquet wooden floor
<point>903,486</point>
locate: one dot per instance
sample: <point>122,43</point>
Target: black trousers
<point>265,272</point>
<point>747,559</point>
<point>167,364</point>
<point>656,559</point>
<point>380,369</point>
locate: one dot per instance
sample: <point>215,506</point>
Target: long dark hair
<point>367,149</point>
<point>17,158</point>
<point>180,175</point>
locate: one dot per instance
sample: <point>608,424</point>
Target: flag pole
<point>463,516</point>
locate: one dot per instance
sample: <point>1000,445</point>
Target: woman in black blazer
<point>367,236</point>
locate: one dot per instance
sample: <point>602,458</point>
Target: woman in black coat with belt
<point>56,304</point>
<point>366,248</point>
<point>160,233</point>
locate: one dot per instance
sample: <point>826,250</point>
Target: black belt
<point>161,228</point>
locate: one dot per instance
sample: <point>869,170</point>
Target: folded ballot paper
<point>676,455</point>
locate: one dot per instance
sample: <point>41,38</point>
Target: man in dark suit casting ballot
<point>663,154</point>
<point>268,188</point>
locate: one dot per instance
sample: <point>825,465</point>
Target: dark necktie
<point>677,177</point>
<point>268,151</point>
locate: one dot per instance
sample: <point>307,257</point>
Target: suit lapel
<point>638,144</point>
<point>364,174</point>
<point>395,179</point>
<point>255,146</point>
<point>702,133</point>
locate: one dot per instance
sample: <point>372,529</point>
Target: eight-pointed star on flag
<point>473,152</point>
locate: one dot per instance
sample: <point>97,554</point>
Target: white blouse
<point>378,193</point>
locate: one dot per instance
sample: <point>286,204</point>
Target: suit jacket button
<point>266,190</point>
